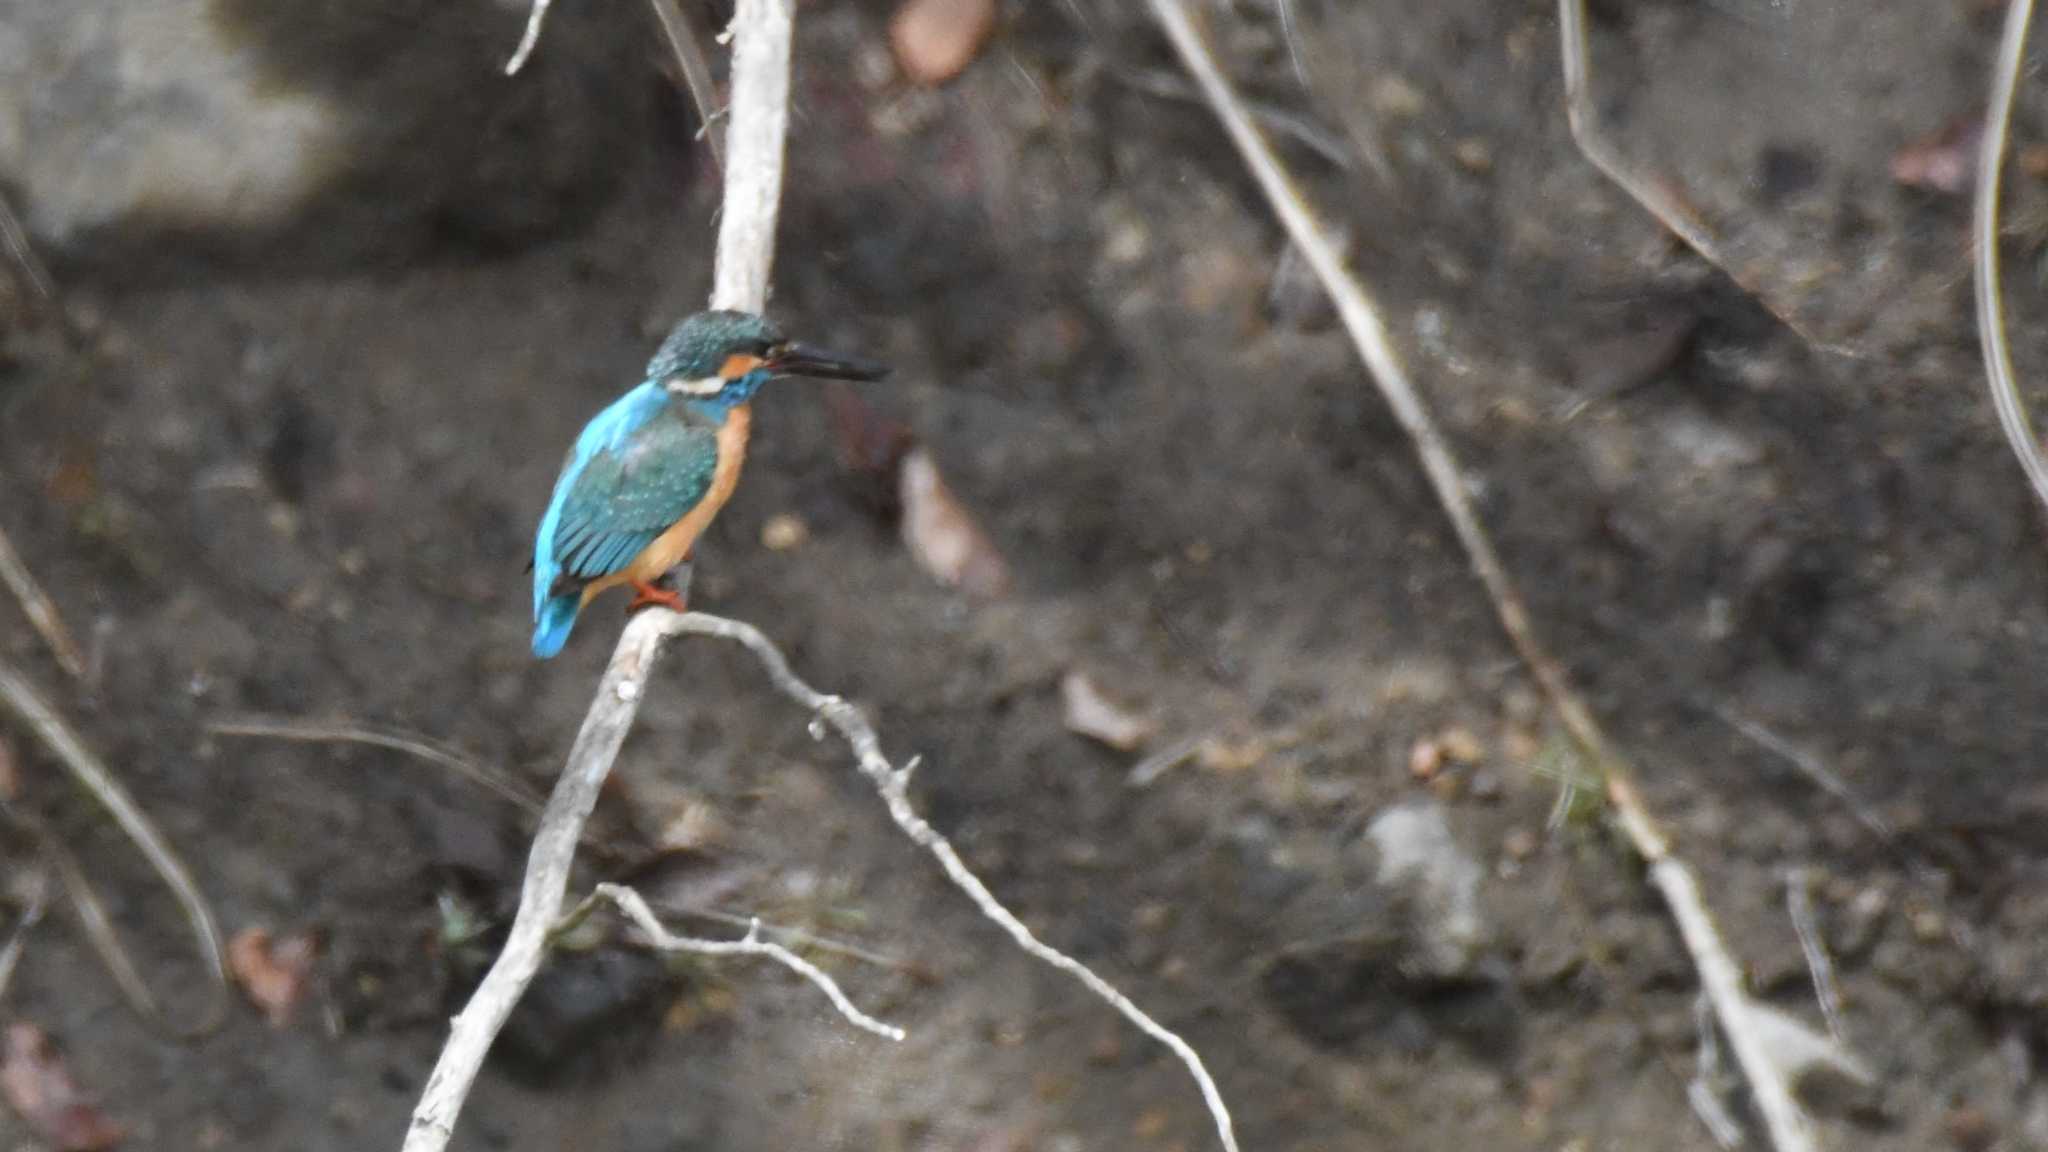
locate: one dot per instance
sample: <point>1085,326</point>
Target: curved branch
<point>1998,370</point>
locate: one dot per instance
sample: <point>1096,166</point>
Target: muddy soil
<point>309,491</point>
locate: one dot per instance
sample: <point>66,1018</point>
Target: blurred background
<point>313,298</point>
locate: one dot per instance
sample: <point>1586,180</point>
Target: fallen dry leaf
<point>272,973</point>
<point>943,535</point>
<point>1942,161</point>
<point>40,1090</point>
<point>1089,713</point>
<point>935,40</point>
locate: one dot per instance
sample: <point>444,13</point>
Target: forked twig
<point>20,700</point>
<point>1741,1018</point>
<point>635,908</point>
<point>1998,370</point>
<point>40,609</point>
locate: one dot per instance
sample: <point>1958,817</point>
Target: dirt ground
<point>307,487</point>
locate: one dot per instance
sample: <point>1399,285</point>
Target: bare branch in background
<point>530,38</point>
<point>1998,370</point>
<point>40,610</point>
<point>1750,1033</point>
<point>20,700</point>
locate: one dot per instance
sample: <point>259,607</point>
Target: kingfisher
<point>648,474</point>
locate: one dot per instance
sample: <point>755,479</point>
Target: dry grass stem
<point>1809,766</point>
<point>31,915</point>
<point>1719,974</point>
<point>432,751</point>
<point>40,610</point>
<point>19,699</point>
<point>1998,369</point>
<point>1806,925</point>
<point>23,254</point>
<point>696,72</point>
<point>635,909</point>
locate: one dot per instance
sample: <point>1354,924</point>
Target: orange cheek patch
<point>739,364</point>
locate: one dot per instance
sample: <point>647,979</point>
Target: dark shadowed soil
<point>309,489</point>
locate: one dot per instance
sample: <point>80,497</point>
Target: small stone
<point>784,533</point>
<point>1425,760</point>
<point>1461,746</point>
<point>1520,844</point>
<point>1474,154</point>
<point>1418,854</point>
<point>1394,97</point>
<point>935,40</point>
<point>1150,1125</point>
<point>1928,925</point>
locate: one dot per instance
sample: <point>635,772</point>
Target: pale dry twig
<point>1750,1035</point>
<point>21,700</point>
<point>40,609</point>
<point>1998,369</point>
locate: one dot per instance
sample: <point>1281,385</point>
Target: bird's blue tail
<point>557,617</point>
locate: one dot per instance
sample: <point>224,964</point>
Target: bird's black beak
<point>804,360</point>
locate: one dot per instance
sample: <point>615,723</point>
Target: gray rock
<point>1421,860</point>
<point>296,127</point>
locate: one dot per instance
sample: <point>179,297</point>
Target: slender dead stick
<point>1719,974</point>
<point>19,699</point>
<point>40,610</point>
<point>412,744</point>
<point>1998,370</point>
<point>696,70</point>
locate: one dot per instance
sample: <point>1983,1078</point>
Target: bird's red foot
<point>650,595</point>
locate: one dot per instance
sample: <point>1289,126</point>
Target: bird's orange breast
<point>671,547</point>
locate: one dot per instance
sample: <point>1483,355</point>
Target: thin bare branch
<point>1719,974</point>
<point>796,936</point>
<point>19,699</point>
<point>893,784</point>
<point>629,902</point>
<point>1998,369</point>
<point>31,915</point>
<point>530,38</point>
<point>696,70</point>
<point>1809,766</point>
<point>349,732</point>
<point>40,610</point>
<point>1805,925</point>
<point>15,237</point>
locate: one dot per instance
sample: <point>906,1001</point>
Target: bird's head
<point>718,359</point>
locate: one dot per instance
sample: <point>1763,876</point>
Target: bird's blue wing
<point>626,494</point>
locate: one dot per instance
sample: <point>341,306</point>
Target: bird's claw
<point>654,595</point>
